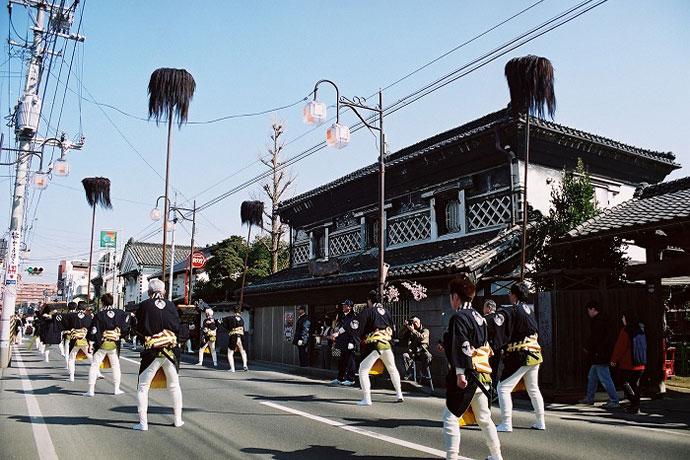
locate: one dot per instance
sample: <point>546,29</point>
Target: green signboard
<point>108,238</point>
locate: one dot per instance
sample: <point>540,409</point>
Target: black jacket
<point>599,345</point>
<point>346,334</point>
<point>302,330</point>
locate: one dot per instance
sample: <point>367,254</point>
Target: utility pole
<point>26,128</point>
<point>172,250</point>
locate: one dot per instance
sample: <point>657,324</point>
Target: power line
<point>428,89</point>
<point>569,15</point>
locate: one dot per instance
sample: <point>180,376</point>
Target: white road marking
<point>44,443</point>
<point>130,360</point>
<point>354,429</point>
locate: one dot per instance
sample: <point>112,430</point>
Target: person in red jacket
<point>626,357</point>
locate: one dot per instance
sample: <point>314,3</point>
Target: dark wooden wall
<point>566,367</point>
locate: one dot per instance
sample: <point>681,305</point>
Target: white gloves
<point>299,343</point>
<point>350,346</point>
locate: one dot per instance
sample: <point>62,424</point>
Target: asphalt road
<point>264,414</point>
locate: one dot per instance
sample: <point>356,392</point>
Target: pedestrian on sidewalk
<point>346,344</point>
<point>598,349</point>
<point>300,337</point>
<point>468,383</point>
<point>630,357</point>
<point>158,324</point>
<point>516,335</point>
<point>373,328</point>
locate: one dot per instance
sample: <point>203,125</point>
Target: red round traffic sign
<point>198,259</point>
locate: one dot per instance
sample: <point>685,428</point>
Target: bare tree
<point>275,188</point>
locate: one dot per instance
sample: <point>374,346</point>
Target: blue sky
<point>621,71</point>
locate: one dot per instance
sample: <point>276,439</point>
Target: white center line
<point>44,444</point>
<point>354,429</point>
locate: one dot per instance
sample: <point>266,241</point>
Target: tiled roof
<point>151,254</point>
<point>660,204</point>
<point>477,126</point>
<point>468,253</point>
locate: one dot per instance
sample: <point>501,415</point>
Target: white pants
<point>98,358</point>
<point>531,375</point>
<point>212,346</point>
<point>145,379</point>
<point>365,366</point>
<point>482,413</point>
<point>231,356</point>
<point>71,363</point>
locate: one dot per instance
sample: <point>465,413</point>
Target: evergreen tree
<point>572,203</point>
<point>224,267</point>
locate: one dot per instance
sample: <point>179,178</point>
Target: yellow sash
<point>379,335</point>
<point>113,335</point>
<point>77,334</point>
<point>528,344</point>
<point>237,331</point>
<point>480,359</point>
<point>163,339</point>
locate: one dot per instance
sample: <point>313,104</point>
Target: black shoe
<point>633,410</point>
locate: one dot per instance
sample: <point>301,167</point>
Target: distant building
<point>107,276</point>
<point>73,283</point>
<point>34,293</point>
<point>139,262</point>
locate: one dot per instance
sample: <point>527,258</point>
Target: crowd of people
<point>489,353</point>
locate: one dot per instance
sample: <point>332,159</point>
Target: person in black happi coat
<point>106,331</point>
<point>235,327</point>
<point>468,381</point>
<point>157,325</point>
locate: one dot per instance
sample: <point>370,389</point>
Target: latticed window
<point>409,228</point>
<point>400,311</point>
<point>489,212</point>
<point>453,216</point>
<point>300,253</point>
<point>345,242</point>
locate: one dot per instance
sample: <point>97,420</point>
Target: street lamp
<point>156,215</point>
<point>338,136</point>
<point>40,180</point>
<point>61,168</point>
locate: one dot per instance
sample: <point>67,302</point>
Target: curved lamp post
<point>338,136</point>
<point>156,215</point>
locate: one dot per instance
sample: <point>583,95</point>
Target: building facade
<point>453,204</point>
<point>73,280</point>
<point>141,260</point>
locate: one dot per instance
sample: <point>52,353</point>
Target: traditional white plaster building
<point>139,262</point>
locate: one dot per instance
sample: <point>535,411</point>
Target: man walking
<point>598,349</point>
<point>301,335</point>
<point>346,344</point>
<point>158,324</point>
